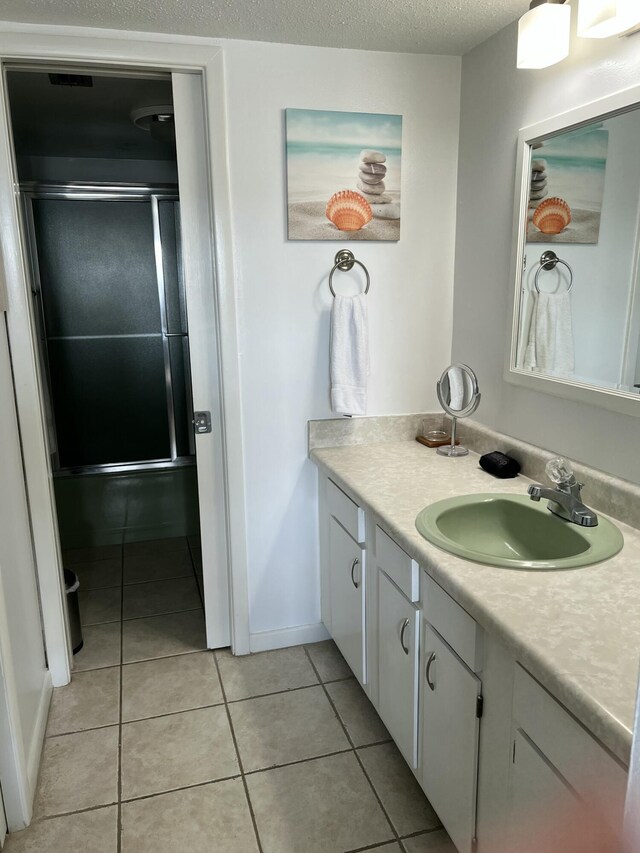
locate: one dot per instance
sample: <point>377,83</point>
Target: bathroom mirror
<point>459,396</point>
<point>576,309</point>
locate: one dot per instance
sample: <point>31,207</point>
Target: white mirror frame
<point>617,401</point>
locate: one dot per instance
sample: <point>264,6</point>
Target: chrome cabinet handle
<point>430,662</point>
<point>405,625</point>
<point>353,568</point>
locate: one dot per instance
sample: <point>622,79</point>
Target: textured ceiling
<point>413,26</point>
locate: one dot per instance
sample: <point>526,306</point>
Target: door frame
<point>120,51</point>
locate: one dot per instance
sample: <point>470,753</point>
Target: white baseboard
<point>40,728</point>
<point>284,637</point>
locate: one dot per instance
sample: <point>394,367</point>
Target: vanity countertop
<point>577,631</point>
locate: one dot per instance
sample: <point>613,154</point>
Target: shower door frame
<point>197,69</point>
<point>113,192</point>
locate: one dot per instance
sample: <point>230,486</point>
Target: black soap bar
<point>499,465</point>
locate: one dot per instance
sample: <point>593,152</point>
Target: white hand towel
<point>550,346</point>
<point>349,356</point>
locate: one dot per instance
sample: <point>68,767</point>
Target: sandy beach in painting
<point>307,221</point>
<point>324,156</point>
<point>583,228</point>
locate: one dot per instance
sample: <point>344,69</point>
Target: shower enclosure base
<point>110,508</point>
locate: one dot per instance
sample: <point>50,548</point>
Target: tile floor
<point>158,744</point>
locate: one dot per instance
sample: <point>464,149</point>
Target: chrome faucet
<point>564,500</point>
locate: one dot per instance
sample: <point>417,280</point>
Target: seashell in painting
<point>552,215</point>
<point>348,210</point>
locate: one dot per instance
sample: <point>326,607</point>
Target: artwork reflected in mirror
<point>579,306</point>
<point>567,186</point>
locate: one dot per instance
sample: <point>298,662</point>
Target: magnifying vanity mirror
<point>459,396</point>
<point>576,312</point>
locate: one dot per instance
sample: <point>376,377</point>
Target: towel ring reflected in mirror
<point>549,261</point>
<point>345,260</point>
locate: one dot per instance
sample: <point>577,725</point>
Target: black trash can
<point>72,585</point>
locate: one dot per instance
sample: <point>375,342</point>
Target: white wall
<point>497,100</point>
<point>284,298</point>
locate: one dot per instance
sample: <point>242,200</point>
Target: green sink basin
<point>515,532</point>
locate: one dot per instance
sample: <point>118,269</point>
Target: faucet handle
<point>559,471</point>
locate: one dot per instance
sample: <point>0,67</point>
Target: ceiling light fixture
<point>144,117</point>
<point>544,33</point>
<point>599,19</point>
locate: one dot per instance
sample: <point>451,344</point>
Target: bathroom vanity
<point>509,693</point>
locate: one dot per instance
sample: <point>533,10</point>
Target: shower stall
<point>110,313</point>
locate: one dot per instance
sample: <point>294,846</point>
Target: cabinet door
<point>546,815</point>
<point>347,581</point>
<point>450,728</point>
<point>398,667</point>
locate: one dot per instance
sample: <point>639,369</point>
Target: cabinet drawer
<point>462,632</point>
<point>346,511</point>
<point>591,771</point>
<point>402,570</point>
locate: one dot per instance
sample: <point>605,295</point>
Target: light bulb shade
<point>599,19</point>
<point>543,35</point>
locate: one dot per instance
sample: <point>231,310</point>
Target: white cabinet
<point>544,809</point>
<point>398,667</point>
<point>565,789</point>
<point>450,730</point>
<point>347,596</point>
<point>528,777</point>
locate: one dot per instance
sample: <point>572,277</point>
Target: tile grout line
<point>114,803</point>
<point>374,847</point>
<point>47,817</point>
<point>297,761</point>
<point>135,583</point>
<point>239,775</point>
<point>396,837</point>
<point>136,618</point>
<point>142,660</point>
<point>214,705</point>
<point>240,765</point>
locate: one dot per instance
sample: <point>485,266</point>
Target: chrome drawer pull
<point>353,568</point>
<point>405,625</point>
<point>430,662</point>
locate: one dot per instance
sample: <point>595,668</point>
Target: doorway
<point>96,164</point>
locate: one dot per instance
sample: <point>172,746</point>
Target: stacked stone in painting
<point>538,182</point>
<point>371,184</point>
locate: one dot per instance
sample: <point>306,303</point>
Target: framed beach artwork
<point>343,175</point>
<point>567,186</point>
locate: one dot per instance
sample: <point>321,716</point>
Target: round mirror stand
<point>453,449</point>
<point>459,396</point>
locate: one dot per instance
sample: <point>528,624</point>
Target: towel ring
<point>549,261</point>
<point>344,260</point>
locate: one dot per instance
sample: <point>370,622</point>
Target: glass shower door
<point>108,282</point>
